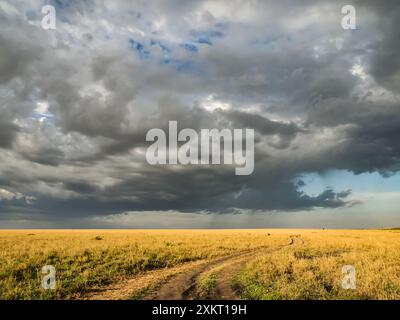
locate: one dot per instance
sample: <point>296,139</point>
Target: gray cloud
<point>8,132</point>
<point>76,102</point>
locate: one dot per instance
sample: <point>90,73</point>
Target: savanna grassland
<point>206,264</point>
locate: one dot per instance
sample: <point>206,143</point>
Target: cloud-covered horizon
<point>76,103</point>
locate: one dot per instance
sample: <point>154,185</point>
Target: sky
<point>76,104</point>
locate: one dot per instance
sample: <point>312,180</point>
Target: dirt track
<point>181,283</point>
<point>183,286</point>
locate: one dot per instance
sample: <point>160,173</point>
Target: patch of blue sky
<point>189,47</point>
<point>61,4</point>
<point>180,65</point>
<point>343,179</point>
<point>139,48</point>
<point>161,45</point>
<point>40,116</point>
<point>184,66</point>
<point>204,40</point>
<point>64,4</point>
<point>269,43</point>
<point>205,37</point>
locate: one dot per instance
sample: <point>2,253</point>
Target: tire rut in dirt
<point>223,289</point>
<point>182,286</point>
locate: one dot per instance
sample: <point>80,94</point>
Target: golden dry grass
<point>91,258</point>
<point>85,259</point>
<point>313,270</point>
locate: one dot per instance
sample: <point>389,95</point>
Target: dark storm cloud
<point>15,56</point>
<point>76,102</point>
<point>384,54</point>
<point>263,126</point>
<point>8,132</point>
<point>51,157</point>
<point>372,145</point>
